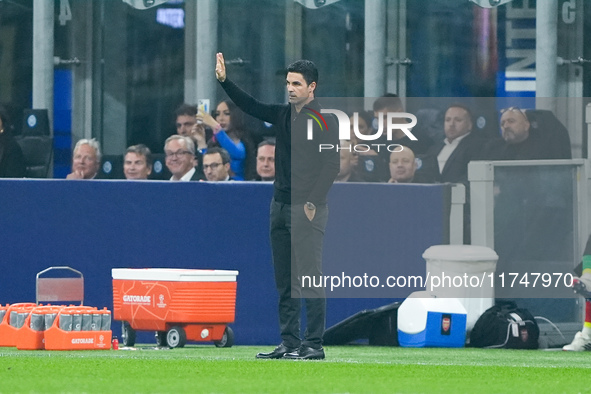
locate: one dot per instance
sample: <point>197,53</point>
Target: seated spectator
<point>216,165</point>
<point>12,160</point>
<point>185,119</point>
<point>266,160</point>
<point>402,166</point>
<point>448,160</point>
<point>520,141</point>
<point>186,125</point>
<point>390,102</point>
<point>367,164</point>
<point>349,162</point>
<point>180,158</point>
<point>86,159</point>
<point>229,133</point>
<point>364,122</point>
<point>137,163</point>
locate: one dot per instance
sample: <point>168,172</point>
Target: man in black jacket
<point>548,140</point>
<point>448,160</point>
<point>303,176</point>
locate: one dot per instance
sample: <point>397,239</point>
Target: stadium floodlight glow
<point>490,3</point>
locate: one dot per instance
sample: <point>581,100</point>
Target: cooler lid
<point>460,253</point>
<point>174,274</point>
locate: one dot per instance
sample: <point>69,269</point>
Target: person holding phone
<point>229,133</point>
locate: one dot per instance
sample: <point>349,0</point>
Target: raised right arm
<point>247,103</point>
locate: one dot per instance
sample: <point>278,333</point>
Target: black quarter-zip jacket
<point>303,172</point>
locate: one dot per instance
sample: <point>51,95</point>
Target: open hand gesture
<point>220,67</point>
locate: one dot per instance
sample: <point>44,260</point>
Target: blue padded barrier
<point>94,226</point>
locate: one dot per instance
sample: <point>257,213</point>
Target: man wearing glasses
<point>180,158</point>
<point>216,165</point>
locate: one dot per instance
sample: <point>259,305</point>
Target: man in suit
<point>216,165</point>
<point>86,159</point>
<point>137,162</point>
<point>180,158</point>
<point>266,160</point>
<point>402,166</point>
<point>349,160</point>
<point>448,160</point>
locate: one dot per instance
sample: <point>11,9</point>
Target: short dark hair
<point>267,141</point>
<point>388,100</point>
<point>223,153</point>
<point>142,150</point>
<point>305,67</point>
<point>185,109</point>
<point>462,106</point>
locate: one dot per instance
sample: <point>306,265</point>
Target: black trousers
<point>296,244</point>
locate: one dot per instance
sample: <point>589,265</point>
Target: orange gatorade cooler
<point>179,304</point>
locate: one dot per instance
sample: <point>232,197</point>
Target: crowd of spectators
<point>445,160</point>
<point>216,147</point>
<point>224,146</point>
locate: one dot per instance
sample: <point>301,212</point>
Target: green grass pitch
<point>347,369</point>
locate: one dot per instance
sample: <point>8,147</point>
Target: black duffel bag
<point>505,326</point>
